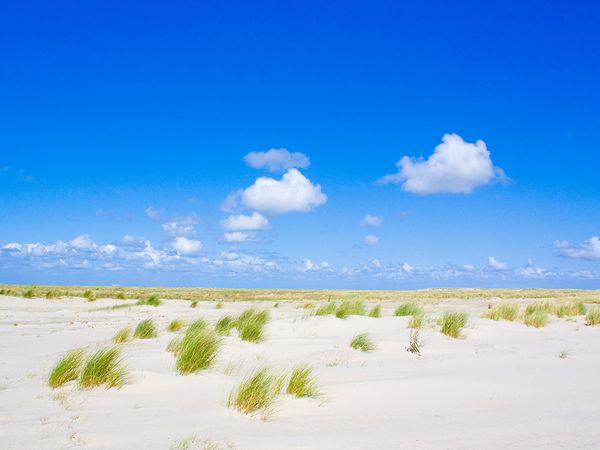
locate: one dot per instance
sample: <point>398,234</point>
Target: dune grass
<point>593,316</point>
<point>197,350</point>
<point>408,309</point>
<point>174,345</point>
<point>146,329</point>
<point>224,325</point>
<point>103,368</point>
<point>250,325</point>
<point>350,308</point>
<point>29,293</point>
<point>375,311</point>
<point>545,306</point>
<point>122,336</point>
<point>194,304</point>
<point>537,318</point>
<point>452,322</point>
<point>256,393</point>
<point>326,309</point>
<point>89,295</point>
<point>363,343</point>
<point>569,309</point>
<point>175,325</point>
<point>219,305</point>
<point>197,325</point>
<point>503,311</point>
<point>416,322</point>
<point>152,300</point>
<point>66,369</point>
<point>52,294</point>
<point>276,305</point>
<point>308,305</point>
<point>121,296</point>
<point>302,383</point>
<point>414,342</point>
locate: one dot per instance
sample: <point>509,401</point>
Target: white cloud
<point>236,236</point>
<point>233,202</point>
<point>177,228</point>
<point>308,265</point>
<point>588,249</point>
<point>153,212</point>
<point>83,242</point>
<point>495,264</point>
<point>373,221</point>
<point>371,239</point>
<point>277,159</point>
<point>294,192</point>
<point>241,222</point>
<point>187,247</point>
<point>456,167</point>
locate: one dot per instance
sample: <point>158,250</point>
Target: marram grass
<point>152,300</point>
<point>250,325</point>
<point>122,336</point>
<point>146,329</point>
<point>593,316</point>
<point>350,308</point>
<point>196,351</point>
<point>569,309</point>
<point>103,368</point>
<point>175,325</point>
<point>224,325</point>
<point>66,369</point>
<point>416,321</point>
<point>302,383</point>
<point>536,318</point>
<point>363,343</point>
<point>452,322</point>
<point>375,311</point>
<point>408,309</point>
<point>256,393</point>
<point>326,309</point>
<point>503,311</point>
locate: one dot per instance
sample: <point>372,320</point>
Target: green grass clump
<point>452,322</point>
<point>250,325</point>
<point>194,304</point>
<point>363,343</point>
<point>224,325</point>
<point>153,300</point>
<point>302,383</point>
<point>122,336</point>
<point>29,293</point>
<point>146,329</point>
<point>66,369</point>
<point>569,309</point>
<point>174,345</point>
<point>196,351</point>
<point>175,325</point>
<point>538,318</point>
<point>326,309</point>
<point>197,325</point>
<point>103,368</point>
<point>219,305</point>
<point>547,307</point>
<point>256,393</point>
<point>375,311</point>
<point>276,305</point>
<point>416,322</point>
<point>593,316</point>
<point>308,305</point>
<point>350,308</point>
<point>121,296</point>
<point>89,295</point>
<point>52,294</point>
<point>408,309</point>
<point>503,311</point>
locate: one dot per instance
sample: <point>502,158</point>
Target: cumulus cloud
<point>455,166</point>
<point>184,227</point>
<point>371,239</point>
<point>83,242</point>
<point>241,222</point>
<point>153,212</point>
<point>495,264</point>
<point>588,249</point>
<point>370,220</point>
<point>294,192</point>
<point>185,246</point>
<point>308,265</point>
<point>277,159</point>
<point>236,236</point>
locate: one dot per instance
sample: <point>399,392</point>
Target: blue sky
<point>466,131</point>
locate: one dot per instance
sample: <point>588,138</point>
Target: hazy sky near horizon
<point>310,144</point>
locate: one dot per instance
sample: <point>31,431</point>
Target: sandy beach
<point>501,385</point>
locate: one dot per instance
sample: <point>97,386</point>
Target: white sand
<point>502,386</point>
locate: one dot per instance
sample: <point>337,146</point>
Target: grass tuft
<point>416,322</point>
<point>196,351</point>
<point>194,304</point>
<point>219,305</point>
<point>326,309</point>
<point>593,316</point>
<point>197,325</point>
<point>363,343</point>
<point>250,325</point>
<point>29,293</point>
<point>175,325</point>
<point>408,309</point>
<point>452,322</point>
<point>66,369</point>
<point>90,295</point>
<point>546,307</point>
<point>256,394</point>
<point>503,311</point>
<point>224,325</point>
<point>538,318</point>
<point>122,336</point>
<point>569,309</point>
<point>146,329</point>
<point>153,300</point>
<point>103,368</point>
<point>414,343</point>
<point>350,308</point>
<point>302,383</point>
<point>375,311</point>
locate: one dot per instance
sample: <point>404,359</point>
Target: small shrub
<point>538,318</point>
<point>564,354</point>
<point>66,369</point>
<point>175,325</point>
<point>256,394</point>
<point>569,309</point>
<point>452,322</point>
<point>89,295</point>
<point>363,343</point>
<point>593,316</point>
<point>414,343</point>
<point>250,325</point>
<point>224,325</point>
<point>196,351</point>
<point>408,309</point>
<point>103,368</point>
<point>146,329</point>
<point>326,309</point>
<point>350,308</point>
<point>302,383</point>
<point>194,304</point>
<point>375,311</point>
<point>503,311</point>
<point>122,336</point>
